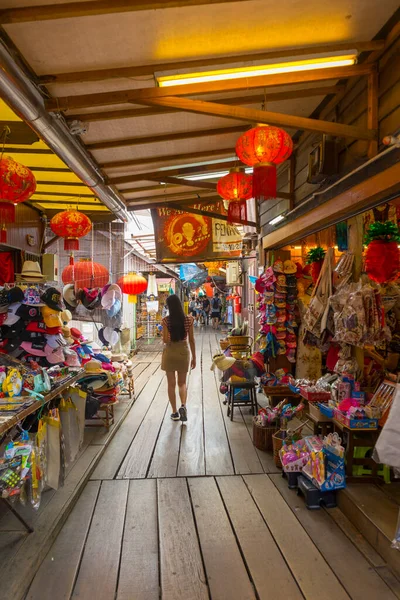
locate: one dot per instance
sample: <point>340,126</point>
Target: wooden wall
<point>351,110</point>
<point>27,222</point>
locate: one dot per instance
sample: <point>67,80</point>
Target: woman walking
<point>177,329</point>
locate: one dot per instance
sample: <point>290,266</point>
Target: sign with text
<point>186,237</point>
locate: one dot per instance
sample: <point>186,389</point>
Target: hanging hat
<point>101,337</point>
<point>71,358</point>
<point>54,355</point>
<point>4,301</point>
<point>55,341</point>
<point>260,285</point>
<point>76,334</point>
<point>111,336</point>
<point>69,296</point>
<point>11,316</point>
<point>114,310</point>
<point>31,271</point>
<point>90,298</point>
<point>28,313</point>
<point>108,298</point>
<point>278,266</point>
<point>41,327</point>
<point>222,362</point>
<point>258,361</point>
<point>289,267</point>
<point>125,335</point>
<point>52,298</point>
<point>66,316</point>
<point>93,367</point>
<point>51,317</point>
<point>15,294</point>
<point>32,296</point>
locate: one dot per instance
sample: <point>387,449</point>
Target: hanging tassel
<point>264,182</point>
<point>71,243</point>
<point>7,212</point>
<point>71,260</point>
<point>237,212</point>
<point>132,299</point>
<point>3,235</point>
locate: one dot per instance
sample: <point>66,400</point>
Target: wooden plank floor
<point>195,512</point>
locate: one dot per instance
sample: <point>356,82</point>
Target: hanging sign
<point>185,237</point>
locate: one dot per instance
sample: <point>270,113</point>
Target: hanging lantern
<point>236,187</point>
<point>382,259</point>
<point>133,285</point>
<point>263,147</point>
<point>71,225</point>
<point>315,258</point>
<point>86,273</point>
<point>17,184</point>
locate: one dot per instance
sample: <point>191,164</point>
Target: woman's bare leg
<point>171,389</point>
<point>182,387</point>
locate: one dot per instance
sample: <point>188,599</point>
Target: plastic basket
<point>277,443</point>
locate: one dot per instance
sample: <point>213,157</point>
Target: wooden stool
<point>103,420</point>
<point>232,401</point>
<point>320,427</point>
<point>358,438</point>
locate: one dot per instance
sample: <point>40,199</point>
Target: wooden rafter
<point>261,81</point>
<point>167,137</point>
<point>63,194</point>
<point>259,116</point>
<point>167,198</point>
<point>64,183</point>
<point>172,158</point>
<point>144,70</point>
<point>71,10</point>
<point>206,185</point>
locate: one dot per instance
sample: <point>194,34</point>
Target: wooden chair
<point>237,401</point>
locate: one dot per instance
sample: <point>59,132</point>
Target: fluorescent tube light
<point>244,72</point>
<point>277,220</point>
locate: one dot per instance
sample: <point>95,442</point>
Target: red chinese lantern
<point>236,187</point>
<point>382,257</point>
<point>263,147</point>
<point>17,184</point>
<point>87,274</point>
<point>132,284</point>
<point>71,225</point>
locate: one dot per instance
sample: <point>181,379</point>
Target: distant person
<point>177,329</point>
<point>206,310</point>
<point>192,306</point>
<point>216,311</point>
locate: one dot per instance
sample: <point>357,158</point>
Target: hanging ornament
<point>17,184</point>
<point>315,258</point>
<point>382,258</point>
<point>236,187</point>
<point>152,289</point>
<point>87,274</point>
<point>263,147</point>
<point>133,285</point>
<point>71,225</point>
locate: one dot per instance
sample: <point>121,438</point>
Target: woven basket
<point>239,340</point>
<point>223,344</point>
<point>262,436</point>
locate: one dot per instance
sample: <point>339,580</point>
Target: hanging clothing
<point>309,359</point>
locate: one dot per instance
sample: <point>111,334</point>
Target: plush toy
<point>12,385</point>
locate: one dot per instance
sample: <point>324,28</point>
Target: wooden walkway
<point>194,512</point>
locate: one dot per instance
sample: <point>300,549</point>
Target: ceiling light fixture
<point>277,220</point>
<point>254,71</point>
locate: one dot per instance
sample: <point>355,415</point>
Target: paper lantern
<point>87,274</point>
<point>382,258</point>
<point>263,147</point>
<point>71,225</point>
<point>236,187</point>
<point>133,285</point>
<point>17,184</point>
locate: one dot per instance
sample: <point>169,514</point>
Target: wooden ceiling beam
<point>167,158</point>
<point>206,185</point>
<point>64,194</point>
<point>166,137</point>
<point>145,70</point>
<point>260,116</point>
<point>130,96</point>
<point>170,173</point>
<point>68,183</point>
<point>188,196</point>
<point>71,10</point>
<point>133,113</point>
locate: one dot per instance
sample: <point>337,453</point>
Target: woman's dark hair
<point>176,321</point>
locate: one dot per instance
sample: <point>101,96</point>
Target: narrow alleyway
<point>195,511</point>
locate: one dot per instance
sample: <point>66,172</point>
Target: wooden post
<point>355,239</point>
<point>292,179</point>
<point>373,121</point>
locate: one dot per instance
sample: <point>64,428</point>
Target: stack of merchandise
<point>277,306</point>
<point>102,381</point>
<point>271,415</point>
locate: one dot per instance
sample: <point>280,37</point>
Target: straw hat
<point>93,367</point>
<point>31,271</point>
<point>69,296</point>
<point>222,362</point>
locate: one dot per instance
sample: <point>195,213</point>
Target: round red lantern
<point>263,147</point>
<point>87,274</point>
<point>236,187</point>
<point>382,258</point>
<point>71,225</point>
<point>132,284</point>
<point>17,184</point>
